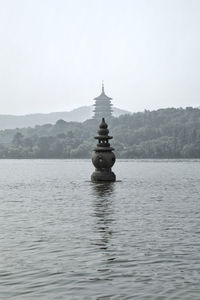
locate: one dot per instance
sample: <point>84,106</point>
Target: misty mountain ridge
<point>79,114</point>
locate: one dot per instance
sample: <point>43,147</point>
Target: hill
<point>165,133</point>
<point>77,115</point>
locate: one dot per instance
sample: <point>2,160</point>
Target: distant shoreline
<point>163,134</point>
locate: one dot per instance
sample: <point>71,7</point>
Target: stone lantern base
<point>103,176</point>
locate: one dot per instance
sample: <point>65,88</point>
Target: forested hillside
<point>165,133</point>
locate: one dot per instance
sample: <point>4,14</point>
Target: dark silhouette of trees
<point>17,139</point>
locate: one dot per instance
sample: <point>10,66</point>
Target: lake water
<point>63,237</point>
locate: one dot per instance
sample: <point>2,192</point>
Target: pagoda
<point>102,106</point>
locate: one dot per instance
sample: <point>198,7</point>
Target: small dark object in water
<point>102,157</point>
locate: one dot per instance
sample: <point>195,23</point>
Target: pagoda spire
<point>102,86</point>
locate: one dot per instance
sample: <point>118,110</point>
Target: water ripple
<point>63,237</point>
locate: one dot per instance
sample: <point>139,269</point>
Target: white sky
<point>55,53</point>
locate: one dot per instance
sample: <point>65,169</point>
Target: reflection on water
<point>103,189</point>
<point>103,211</point>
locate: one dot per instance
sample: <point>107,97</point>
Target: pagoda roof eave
<point>103,96</point>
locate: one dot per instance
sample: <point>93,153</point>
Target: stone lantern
<point>102,157</point>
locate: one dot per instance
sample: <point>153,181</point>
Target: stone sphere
<point>98,176</point>
<point>102,160</point>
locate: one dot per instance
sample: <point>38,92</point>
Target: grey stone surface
<point>102,157</point>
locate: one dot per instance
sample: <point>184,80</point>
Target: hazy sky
<point>55,53</point>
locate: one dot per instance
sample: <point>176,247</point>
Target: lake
<point>63,237</point>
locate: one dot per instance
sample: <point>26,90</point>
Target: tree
<point>17,139</point>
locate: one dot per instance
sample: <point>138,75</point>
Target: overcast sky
<point>54,54</point>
